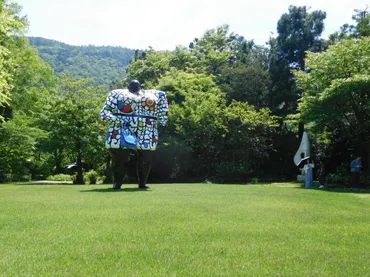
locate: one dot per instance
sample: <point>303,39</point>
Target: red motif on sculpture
<point>114,134</point>
<point>126,109</point>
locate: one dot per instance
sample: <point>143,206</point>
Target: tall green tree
<point>28,83</point>
<point>336,92</point>
<point>32,83</point>
<point>247,79</point>
<point>228,142</point>
<point>75,130</point>
<point>298,31</point>
<point>215,50</point>
<point>11,26</point>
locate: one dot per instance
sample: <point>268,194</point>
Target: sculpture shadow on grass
<point>117,190</point>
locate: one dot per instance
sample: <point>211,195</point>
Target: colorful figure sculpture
<point>134,116</point>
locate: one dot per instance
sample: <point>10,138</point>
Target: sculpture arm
<point>107,111</point>
<point>162,108</point>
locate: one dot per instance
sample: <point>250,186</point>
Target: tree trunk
<point>300,131</point>
<point>79,178</point>
<point>367,169</point>
<point>58,161</point>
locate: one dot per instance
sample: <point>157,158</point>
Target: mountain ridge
<point>103,64</point>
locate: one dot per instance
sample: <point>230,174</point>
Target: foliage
<point>149,67</point>
<point>362,18</point>
<point>172,161</point>
<point>207,55</point>
<point>214,130</point>
<point>60,177</point>
<point>347,31</point>
<point>298,32</point>
<point>92,177</point>
<point>18,145</point>
<point>11,26</point>
<point>248,83</point>
<point>28,90</point>
<point>215,49</point>
<point>74,128</point>
<point>339,77</point>
<point>103,64</point>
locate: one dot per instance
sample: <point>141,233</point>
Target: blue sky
<point>164,24</point>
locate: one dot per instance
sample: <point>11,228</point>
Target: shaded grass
<point>182,230</point>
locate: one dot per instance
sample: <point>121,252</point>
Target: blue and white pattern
<point>134,114</point>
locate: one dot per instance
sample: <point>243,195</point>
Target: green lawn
<point>183,230</point>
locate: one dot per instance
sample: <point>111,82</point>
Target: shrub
<point>333,178</point>
<point>254,180</point>
<point>365,179</point>
<point>60,177</point>
<point>15,178</point>
<point>341,176</point>
<point>102,179</point>
<point>91,177</point>
<point>235,171</point>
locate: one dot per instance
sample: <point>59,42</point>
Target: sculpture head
<point>134,86</point>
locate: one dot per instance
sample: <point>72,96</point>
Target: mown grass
<point>183,230</point>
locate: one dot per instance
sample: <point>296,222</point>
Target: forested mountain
<point>104,64</point>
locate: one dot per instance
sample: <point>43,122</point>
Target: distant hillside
<point>104,64</point>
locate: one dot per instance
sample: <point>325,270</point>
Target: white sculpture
<point>304,150</point>
<point>303,153</point>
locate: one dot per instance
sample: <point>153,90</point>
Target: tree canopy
<point>336,94</point>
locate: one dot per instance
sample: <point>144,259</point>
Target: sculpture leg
<point>144,165</point>
<point>120,158</point>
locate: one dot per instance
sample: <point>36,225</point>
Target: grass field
<point>183,230</point>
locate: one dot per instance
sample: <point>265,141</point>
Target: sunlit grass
<point>183,230</point>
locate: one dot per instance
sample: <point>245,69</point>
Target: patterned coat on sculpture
<point>134,114</point>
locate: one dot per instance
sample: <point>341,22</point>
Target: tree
<point>75,129</point>
<point>247,79</point>
<point>347,31</point>
<point>11,26</point>
<point>149,67</point>
<point>336,92</point>
<point>298,32</point>
<point>28,81</point>
<point>215,50</point>
<point>228,142</point>
<point>362,18</point>
<point>32,83</point>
